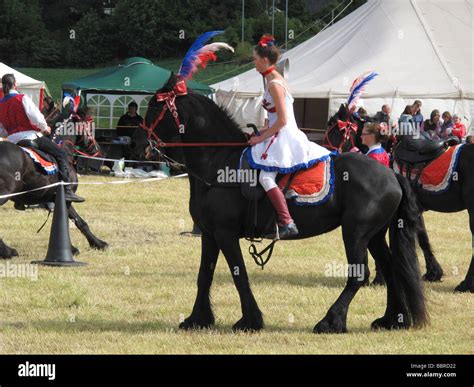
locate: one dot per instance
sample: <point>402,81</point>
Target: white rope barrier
<point>92,183</point>
<point>127,161</point>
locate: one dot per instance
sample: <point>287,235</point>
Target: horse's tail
<point>406,273</point>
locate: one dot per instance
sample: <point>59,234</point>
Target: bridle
<point>92,149</point>
<point>179,90</point>
<point>350,130</point>
<point>156,143</point>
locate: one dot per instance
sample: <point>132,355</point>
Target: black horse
<point>459,197</point>
<point>18,173</point>
<point>222,213</point>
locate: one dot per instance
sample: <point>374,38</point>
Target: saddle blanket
<point>438,175</point>
<point>44,165</point>
<point>312,186</point>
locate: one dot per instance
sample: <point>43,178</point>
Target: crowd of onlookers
<point>437,126</point>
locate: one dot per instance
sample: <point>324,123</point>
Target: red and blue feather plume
<point>357,88</point>
<point>200,54</point>
<point>68,98</point>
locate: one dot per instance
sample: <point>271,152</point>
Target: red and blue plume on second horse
<point>200,54</point>
<point>357,88</point>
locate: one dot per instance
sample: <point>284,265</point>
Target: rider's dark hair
<point>8,81</point>
<point>268,49</point>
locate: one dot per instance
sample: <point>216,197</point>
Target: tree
<point>86,41</point>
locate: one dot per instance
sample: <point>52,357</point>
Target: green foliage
<point>37,33</point>
<point>86,41</point>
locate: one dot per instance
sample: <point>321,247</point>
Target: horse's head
<point>176,115</point>
<point>342,131</point>
<point>166,121</point>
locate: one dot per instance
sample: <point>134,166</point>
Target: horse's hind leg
<point>81,224</point>
<point>468,284</point>
<point>356,250</point>
<point>434,272</point>
<point>381,253</point>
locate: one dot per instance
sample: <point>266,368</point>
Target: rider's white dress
<point>288,150</point>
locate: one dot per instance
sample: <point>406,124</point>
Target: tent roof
<point>143,75</point>
<point>420,48</point>
<point>23,81</point>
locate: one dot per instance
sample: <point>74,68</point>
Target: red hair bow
<point>266,40</point>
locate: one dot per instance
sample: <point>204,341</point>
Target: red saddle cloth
<point>311,186</point>
<point>46,166</point>
<point>438,175</point>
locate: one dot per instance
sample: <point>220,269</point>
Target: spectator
<point>383,115</point>
<point>470,139</point>
<point>446,127</point>
<point>406,123</point>
<point>430,128</point>
<point>372,137</point>
<point>459,130</point>
<point>417,116</point>
<point>129,122</point>
<point>362,114</point>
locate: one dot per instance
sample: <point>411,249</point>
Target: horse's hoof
<point>8,253</point>
<point>100,245</point>
<point>75,250</point>
<point>193,323</point>
<point>433,276</point>
<point>245,325</point>
<point>387,323</point>
<point>465,287</point>
<point>330,325</point>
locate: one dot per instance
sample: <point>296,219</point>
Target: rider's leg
<point>288,227</point>
<point>46,145</point>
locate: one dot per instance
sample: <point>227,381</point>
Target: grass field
<point>131,298</point>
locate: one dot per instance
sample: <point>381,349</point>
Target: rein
<point>156,143</point>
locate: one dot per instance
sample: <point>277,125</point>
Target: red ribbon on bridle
<point>349,128</point>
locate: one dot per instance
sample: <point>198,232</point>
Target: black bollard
<point>59,248</point>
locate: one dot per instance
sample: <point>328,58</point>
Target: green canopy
<point>108,92</point>
<point>136,75</point>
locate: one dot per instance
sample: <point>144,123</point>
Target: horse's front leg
<point>202,316</point>
<point>252,319</point>
<point>81,224</point>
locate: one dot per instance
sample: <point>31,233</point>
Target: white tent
<point>26,85</point>
<point>422,49</point>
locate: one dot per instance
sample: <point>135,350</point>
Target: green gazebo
<point>109,91</point>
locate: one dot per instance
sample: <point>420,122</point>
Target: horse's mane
<point>215,112</point>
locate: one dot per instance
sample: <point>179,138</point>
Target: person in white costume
<point>281,146</point>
